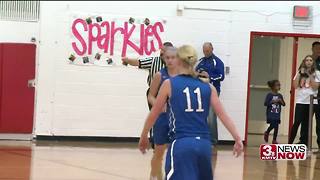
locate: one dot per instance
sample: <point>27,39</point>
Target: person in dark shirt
<point>316,53</point>
<point>316,58</point>
<point>273,102</point>
<point>211,67</point>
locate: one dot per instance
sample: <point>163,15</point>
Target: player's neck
<point>172,71</point>
<point>184,71</point>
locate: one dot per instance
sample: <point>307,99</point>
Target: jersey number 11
<point>198,92</point>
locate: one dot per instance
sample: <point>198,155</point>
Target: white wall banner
<point>102,39</point>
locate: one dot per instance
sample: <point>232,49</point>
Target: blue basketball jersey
<point>189,107</point>
<point>164,75</point>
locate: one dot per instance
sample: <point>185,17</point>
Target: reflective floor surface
<point>256,139</point>
<point>66,160</point>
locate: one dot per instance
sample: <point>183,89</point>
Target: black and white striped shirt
<point>153,64</point>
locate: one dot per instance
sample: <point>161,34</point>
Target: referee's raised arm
<point>131,61</point>
<point>144,63</point>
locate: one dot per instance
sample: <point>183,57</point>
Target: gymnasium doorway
<point>273,56</point>
<point>17,73</point>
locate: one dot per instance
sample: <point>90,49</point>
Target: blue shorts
<point>189,158</point>
<point>161,130</point>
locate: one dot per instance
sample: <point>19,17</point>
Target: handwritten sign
<point>115,38</point>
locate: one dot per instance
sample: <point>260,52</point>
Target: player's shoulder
<point>203,84</point>
<point>166,83</point>
<point>178,76</point>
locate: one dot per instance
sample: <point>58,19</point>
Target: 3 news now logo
<point>283,152</point>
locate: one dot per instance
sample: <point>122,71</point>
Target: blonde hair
<point>188,55</point>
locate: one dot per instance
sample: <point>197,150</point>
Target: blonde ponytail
<point>188,55</point>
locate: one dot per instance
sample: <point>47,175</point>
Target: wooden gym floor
<point>67,160</point>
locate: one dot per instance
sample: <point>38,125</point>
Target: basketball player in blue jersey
<point>161,127</point>
<point>189,99</point>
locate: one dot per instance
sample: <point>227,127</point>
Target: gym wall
<point>110,101</point>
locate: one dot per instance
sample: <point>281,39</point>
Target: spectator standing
<point>212,67</point>
<point>306,83</point>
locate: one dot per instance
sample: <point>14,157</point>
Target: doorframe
<point>296,37</point>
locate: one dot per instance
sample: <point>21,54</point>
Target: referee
<point>152,64</point>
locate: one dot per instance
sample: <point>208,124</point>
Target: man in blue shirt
<point>212,67</point>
